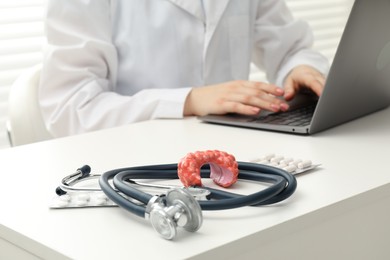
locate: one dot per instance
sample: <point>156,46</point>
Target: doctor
<point>113,62</point>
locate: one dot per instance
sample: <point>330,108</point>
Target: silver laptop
<point>358,82</point>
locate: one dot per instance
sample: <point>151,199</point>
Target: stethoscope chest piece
<point>177,208</point>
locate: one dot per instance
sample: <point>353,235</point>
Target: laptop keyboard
<point>296,117</point>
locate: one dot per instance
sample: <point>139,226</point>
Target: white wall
<point>22,36</point>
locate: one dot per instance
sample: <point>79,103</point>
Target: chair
<point>25,123</point>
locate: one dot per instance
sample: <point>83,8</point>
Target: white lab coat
<point>112,62</point>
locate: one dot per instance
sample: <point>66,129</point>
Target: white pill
<point>274,164</point>
<point>101,196</point>
<point>83,196</point>
<point>64,197</point>
<point>61,203</point>
<point>282,165</point>
<point>276,159</point>
<point>264,162</point>
<point>304,164</point>
<point>290,168</point>
<point>286,161</point>
<point>268,157</point>
<point>295,162</point>
<point>81,203</point>
<point>100,202</point>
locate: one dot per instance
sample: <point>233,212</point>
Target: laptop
<point>358,82</point>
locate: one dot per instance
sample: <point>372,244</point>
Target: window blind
<point>22,37</point>
<point>327,20</point>
<point>21,40</point>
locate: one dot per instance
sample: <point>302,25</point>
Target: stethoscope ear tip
<point>84,170</point>
<point>60,191</point>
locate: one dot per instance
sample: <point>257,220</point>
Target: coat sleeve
<point>282,42</point>
<point>77,87</point>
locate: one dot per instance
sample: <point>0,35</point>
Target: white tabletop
<point>329,215</point>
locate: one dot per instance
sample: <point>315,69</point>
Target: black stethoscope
<point>179,206</point>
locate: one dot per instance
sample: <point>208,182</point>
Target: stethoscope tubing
<point>284,185</point>
<point>120,200</point>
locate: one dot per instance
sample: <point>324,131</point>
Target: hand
<point>243,97</point>
<point>303,76</point>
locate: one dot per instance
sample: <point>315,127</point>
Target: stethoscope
<point>180,206</point>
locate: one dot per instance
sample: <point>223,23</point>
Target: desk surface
<point>335,211</point>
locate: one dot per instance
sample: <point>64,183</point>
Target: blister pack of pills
<point>81,200</point>
<point>289,164</point>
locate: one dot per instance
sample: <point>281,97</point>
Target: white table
<point>340,211</point>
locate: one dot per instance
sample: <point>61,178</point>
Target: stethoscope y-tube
<point>178,207</point>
